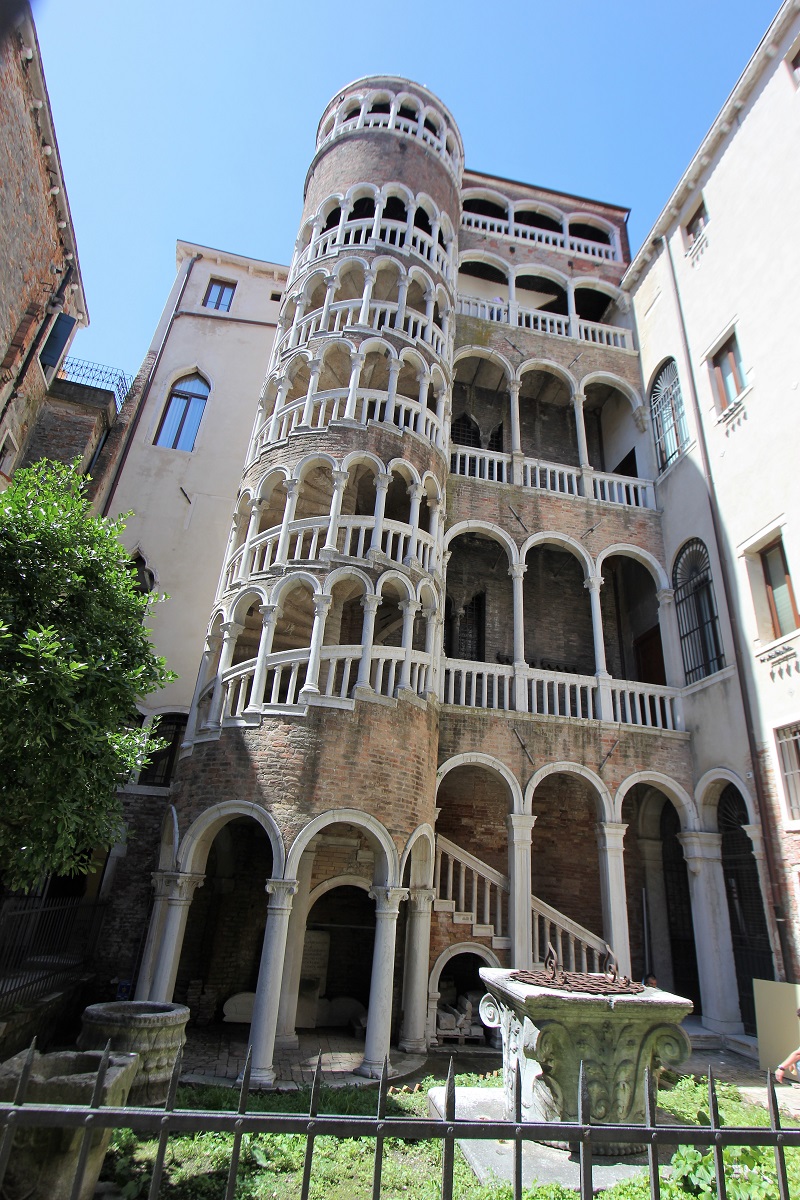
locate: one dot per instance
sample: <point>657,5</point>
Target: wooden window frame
<point>223,285</point>
<point>777,544</point>
<point>728,350</point>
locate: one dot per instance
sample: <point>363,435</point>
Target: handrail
<point>475,864</point>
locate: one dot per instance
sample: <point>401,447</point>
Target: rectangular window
<point>726,367</point>
<point>219,295</point>
<point>56,344</point>
<point>696,224</point>
<point>780,594</point>
<point>789,751</point>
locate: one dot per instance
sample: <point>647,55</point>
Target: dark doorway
<point>752,953</point>
<point>649,657</point>
<point>686,979</point>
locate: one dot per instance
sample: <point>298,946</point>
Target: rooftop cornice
<point>184,249</point>
<point>760,61</point>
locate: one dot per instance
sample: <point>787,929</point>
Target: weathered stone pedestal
<point>153,1030</point>
<point>43,1161</point>
<point>549,1032</point>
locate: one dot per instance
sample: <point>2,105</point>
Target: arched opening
<point>460,992</point>
<point>584,231</point>
<point>685,976</point>
<point>480,412</point>
<point>537,220</point>
<point>696,610</point>
<point>539,294</point>
<point>222,944</point>
<point>343,628</point>
<point>611,433</point>
<point>479,617</point>
<point>752,952</point>
<point>489,285</point>
<point>337,960</point>
<point>565,867</point>
<point>593,305</point>
<point>547,421</point>
<point>631,630</point>
<point>558,619</point>
<point>474,804</point>
<point>486,208</point>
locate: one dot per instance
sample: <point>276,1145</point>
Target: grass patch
<point>271,1165</point>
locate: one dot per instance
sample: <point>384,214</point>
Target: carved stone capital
<point>387,899</point>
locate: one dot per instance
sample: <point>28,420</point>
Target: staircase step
<point>742,1043</point>
<point>447,906</point>
<point>462,918</point>
<point>501,943</point>
<point>483,930</point>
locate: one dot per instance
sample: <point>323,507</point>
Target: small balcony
<point>557,324</point>
<point>550,239</point>
<point>553,477</point>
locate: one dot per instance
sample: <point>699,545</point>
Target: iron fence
<point>79,370</point>
<point>44,945</point>
<point>583,1136</point>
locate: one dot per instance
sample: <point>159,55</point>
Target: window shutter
<point>56,342</point>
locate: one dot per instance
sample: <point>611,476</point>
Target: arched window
<point>181,419</point>
<point>669,418</point>
<point>696,607</point>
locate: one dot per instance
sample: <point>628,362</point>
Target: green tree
<point>74,656</point>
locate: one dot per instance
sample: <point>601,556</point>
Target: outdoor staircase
<point>476,895</point>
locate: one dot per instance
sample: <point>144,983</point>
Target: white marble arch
<point>708,791</point>
<point>328,885</point>
<point>477,759</point>
<point>493,532</point>
<point>196,842</point>
<point>480,951</point>
<point>605,804</point>
<point>421,860</point>
<point>551,368</point>
<point>387,861</point>
<point>643,557</point>
<point>484,352</point>
<point>170,841</point>
<point>683,802</point>
<point>562,541</point>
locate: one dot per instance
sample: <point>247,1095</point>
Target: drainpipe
<point>777,911</point>
<point>146,389</point>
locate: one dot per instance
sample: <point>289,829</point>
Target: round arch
<point>196,842</point>
<point>285,585</point>
<point>389,860</point>
<point>343,573</point>
<point>542,272</point>
<point>312,460</point>
<point>680,798</point>
<point>708,791</point>
<point>605,803</point>
<point>643,557</point>
<point>422,834</point>
<point>328,885</point>
<point>397,577</point>
<point>245,601</point>
<point>604,377</point>
<point>488,956</point>
<point>490,764</point>
<point>484,352</point>
<point>493,532</point>
<point>564,542</point>
<point>552,368</point>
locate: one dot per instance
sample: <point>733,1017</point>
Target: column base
<point>371,1070</point>
<point>261,1079</point>
<point>413,1045</point>
<point>305,694</point>
<point>287,1041</point>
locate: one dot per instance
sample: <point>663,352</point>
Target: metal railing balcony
<point>110,379</point>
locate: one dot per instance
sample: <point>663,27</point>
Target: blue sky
<point>197,120</point>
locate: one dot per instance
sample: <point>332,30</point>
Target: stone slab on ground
<point>494,1161</point>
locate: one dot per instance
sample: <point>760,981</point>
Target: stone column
<point>311,686</point>
<point>292,489</point>
<point>299,313</point>
<point>330,291</point>
<point>516,432</point>
<point>382,481</point>
<point>285,1036</point>
<point>756,835</point>
<point>409,608</point>
<point>370,604</point>
<point>670,638</point>
<point>402,292</point>
<point>256,507</point>
<point>180,888</point>
<point>308,407</point>
<point>339,484</point>
<point>344,213</point>
<point>418,937</point>
<point>416,491</point>
<point>395,367</point>
<point>356,364</point>
<point>379,1017</point>
<point>162,881</point>
<point>280,398</point>
<point>230,632</point>
<point>712,931</point>
<point>520,829</point>
<point>652,853</point>
<point>604,703</point>
<point>376,224</point>
<point>613,896</point>
<point>573,314</point>
<point>430,303</point>
<point>517,573</point>
<point>269,617</point>
<point>270,976</point>
<point>213,641</point>
<point>369,284</point>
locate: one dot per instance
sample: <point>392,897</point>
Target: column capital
<point>358,356</point>
<point>281,893</point>
<point>520,825</point>
<point>315,366</point>
<point>420,898</point>
<point>322,603</point>
<point>579,398</point>
<point>416,490</point>
<point>231,629</point>
<point>291,486</point>
<point>255,506</point>
<point>665,596</point>
<point>382,481</point>
<point>594,583</point>
<point>700,847</point>
<point>370,602</point>
<point>514,386</point>
<point>756,835</point>
<point>269,612</point>
<point>517,570</point>
<point>611,834</point>
<point>329,279</point>
<point>387,899</point>
<point>340,478</point>
<point>411,606</point>
<point>177,887</point>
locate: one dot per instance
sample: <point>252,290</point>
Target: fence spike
<point>517,1140</point>
<point>236,1148</point>
<point>713,1113</point>
<point>775,1124</point>
<point>313,1108</point>
<point>86,1138</point>
<point>383,1088</point>
<point>651,1119</point>
<point>244,1090</point>
<point>585,1151</point>
<point>163,1137</point>
<point>19,1099</point>
<point>448,1137</point>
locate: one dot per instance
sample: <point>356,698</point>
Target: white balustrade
<point>550,477</point>
<point>578,949</point>
<point>232,569</point>
<point>359,233</point>
<point>605,335</point>
<point>621,489</point>
<point>402,125</point>
<point>648,704</point>
<point>543,322</point>
<point>339,670</point>
<point>487,310</point>
<point>557,694</point>
<point>387,663</point>
<point>381,315</point>
<point>477,685</point>
<point>236,686</point>
<point>470,889</point>
<point>481,464</point>
<point>551,238</point>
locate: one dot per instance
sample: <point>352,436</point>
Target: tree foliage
<point>74,655</point>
